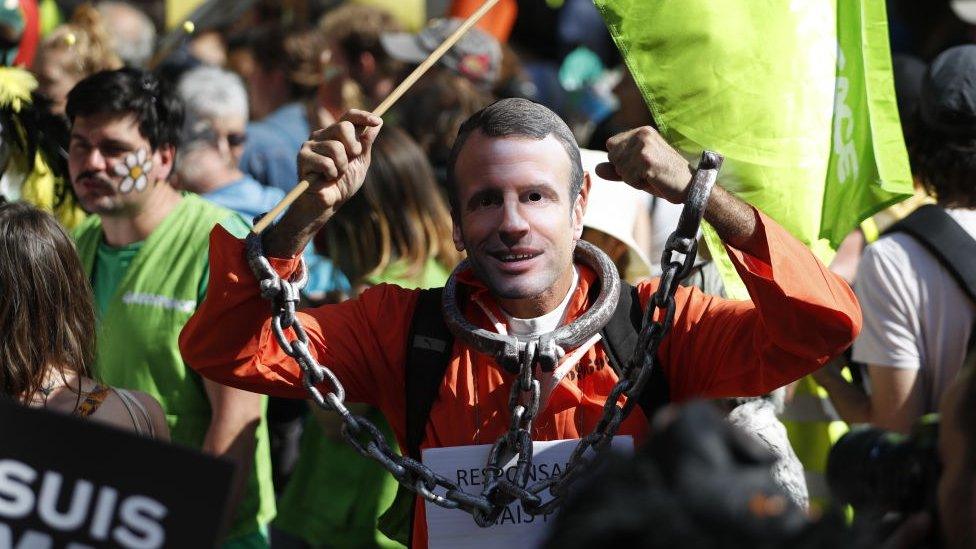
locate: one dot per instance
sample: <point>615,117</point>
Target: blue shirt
<point>246,196</point>
<point>271,153</point>
<point>250,198</point>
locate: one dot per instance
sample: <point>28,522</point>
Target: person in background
<point>217,112</point>
<point>70,53</point>
<point>611,220</point>
<point>918,318</point>
<point>145,252</point>
<point>433,111</point>
<point>132,31</point>
<point>459,85</point>
<point>303,91</point>
<point>219,97</point>
<point>396,230</point>
<point>48,320</point>
<point>207,165</point>
<point>352,34</point>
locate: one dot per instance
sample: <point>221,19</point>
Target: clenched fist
<point>335,159</point>
<point>644,160</point>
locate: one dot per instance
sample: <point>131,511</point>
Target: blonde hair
<point>398,216</point>
<point>87,40</point>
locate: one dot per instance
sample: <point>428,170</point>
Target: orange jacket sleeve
<point>801,315</point>
<point>229,338</point>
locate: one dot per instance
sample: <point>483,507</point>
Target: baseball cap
<point>476,56</point>
<point>948,99</point>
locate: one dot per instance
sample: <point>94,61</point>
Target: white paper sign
<point>450,528</point>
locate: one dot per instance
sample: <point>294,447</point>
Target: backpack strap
<point>429,346</point>
<point>948,243</point>
<point>620,340</point>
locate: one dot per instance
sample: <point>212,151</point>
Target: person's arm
<point>801,315</point>
<point>334,162</point>
<point>235,416</point>
<point>897,398</point>
<point>852,404</point>
<point>229,338</point>
<point>889,344</point>
<point>644,160</point>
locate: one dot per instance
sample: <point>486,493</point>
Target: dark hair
<point>131,91</point>
<point>293,50</point>
<point>46,313</point>
<point>522,118</point>
<point>945,165</point>
<point>356,29</point>
<point>433,112</point>
<point>398,216</point>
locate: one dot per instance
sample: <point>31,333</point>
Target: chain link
<point>499,488</point>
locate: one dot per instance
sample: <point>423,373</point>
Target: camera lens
<point>870,468</point>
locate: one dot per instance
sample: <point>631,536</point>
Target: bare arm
<point>895,402</point>
<point>235,416</point>
<point>644,160</point>
<point>851,402</point>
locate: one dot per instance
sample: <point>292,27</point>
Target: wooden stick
<point>385,105</point>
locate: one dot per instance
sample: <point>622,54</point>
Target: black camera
<point>879,471</point>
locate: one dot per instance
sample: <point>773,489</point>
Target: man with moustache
<point>518,194</point>
<point>145,250</point>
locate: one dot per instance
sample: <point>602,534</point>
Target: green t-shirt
<point>145,293</point>
<point>112,263</point>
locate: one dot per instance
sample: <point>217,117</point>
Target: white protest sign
<point>450,528</point>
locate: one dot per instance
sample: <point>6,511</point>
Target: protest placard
<point>68,482</point>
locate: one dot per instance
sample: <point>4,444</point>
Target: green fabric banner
<point>797,95</point>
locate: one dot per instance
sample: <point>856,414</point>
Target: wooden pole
<point>385,105</point>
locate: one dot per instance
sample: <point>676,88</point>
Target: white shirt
<point>545,323</point>
<point>915,314</point>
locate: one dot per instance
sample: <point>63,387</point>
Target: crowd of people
<point>134,167</point>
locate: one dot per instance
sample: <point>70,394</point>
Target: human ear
<point>579,206</point>
<point>456,234</point>
<point>163,160</point>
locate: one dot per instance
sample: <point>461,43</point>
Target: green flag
<point>796,94</point>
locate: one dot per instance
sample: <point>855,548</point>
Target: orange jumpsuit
<point>801,315</point>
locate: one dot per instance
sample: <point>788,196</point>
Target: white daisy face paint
<point>134,171</point>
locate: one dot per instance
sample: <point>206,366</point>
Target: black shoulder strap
<point>428,354</point>
<point>620,340</point>
<point>429,346</point>
<point>949,243</point>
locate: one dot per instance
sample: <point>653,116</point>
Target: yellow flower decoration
<point>135,171</point>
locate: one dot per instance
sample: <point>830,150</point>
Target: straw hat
<point>612,208</point>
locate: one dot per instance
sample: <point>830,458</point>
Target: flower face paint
<point>134,171</point>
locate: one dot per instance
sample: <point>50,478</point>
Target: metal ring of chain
<point>508,349</point>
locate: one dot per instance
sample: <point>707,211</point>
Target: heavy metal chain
<point>500,489</point>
